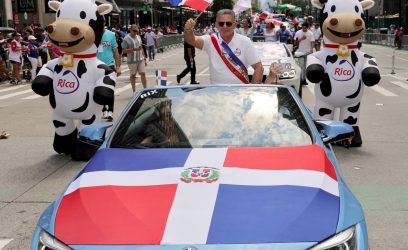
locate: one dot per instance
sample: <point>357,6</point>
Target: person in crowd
<point>45,51</point>
<point>283,34</point>
<point>246,30</point>
<point>398,37</point>
<point>3,58</point>
<point>304,40</point>
<point>119,41</point>
<point>142,34</point>
<point>136,58</point>
<point>189,54</point>
<point>317,33</point>
<point>270,33</point>
<point>15,57</point>
<point>150,43</point>
<point>109,54</point>
<point>33,55</point>
<point>229,67</point>
<point>158,34</point>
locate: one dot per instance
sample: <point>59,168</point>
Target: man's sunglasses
<point>229,24</point>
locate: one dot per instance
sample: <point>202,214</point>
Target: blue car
<point>209,167</point>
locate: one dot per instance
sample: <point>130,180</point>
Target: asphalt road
<point>32,175</point>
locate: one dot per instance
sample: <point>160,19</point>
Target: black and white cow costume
<point>339,70</point>
<point>78,84</point>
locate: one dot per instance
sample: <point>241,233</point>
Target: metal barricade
<point>384,40</point>
<point>168,42</point>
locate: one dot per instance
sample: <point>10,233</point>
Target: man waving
<point>230,53</point>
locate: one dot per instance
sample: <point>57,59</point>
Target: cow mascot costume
<point>78,84</point>
<point>340,69</point>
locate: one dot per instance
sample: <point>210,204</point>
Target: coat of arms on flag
<point>200,174</point>
<point>161,77</point>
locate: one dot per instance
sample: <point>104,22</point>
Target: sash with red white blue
<point>233,63</point>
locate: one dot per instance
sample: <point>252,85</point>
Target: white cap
<point>31,37</point>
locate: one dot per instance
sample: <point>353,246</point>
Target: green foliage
<point>221,4</point>
<point>255,7</point>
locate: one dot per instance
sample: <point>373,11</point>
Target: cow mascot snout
<point>340,69</point>
<point>78,84</point>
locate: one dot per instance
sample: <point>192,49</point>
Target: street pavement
<point>32,175</point>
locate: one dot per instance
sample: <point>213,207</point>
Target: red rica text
<point>65,84</point>
<point>344,72</point>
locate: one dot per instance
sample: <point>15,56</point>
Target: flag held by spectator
<point>241,6</point>
<point>161,77</point>
<point>200,5</point>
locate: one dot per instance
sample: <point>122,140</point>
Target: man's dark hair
<point>305,24</point>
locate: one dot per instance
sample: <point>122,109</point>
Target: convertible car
<point>209,167</point>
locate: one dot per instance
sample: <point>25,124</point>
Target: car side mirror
<point>94,134</point>
<point>334,131</point>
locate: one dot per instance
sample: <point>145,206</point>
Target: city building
<point>17,13</point>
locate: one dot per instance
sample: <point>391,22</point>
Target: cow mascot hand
<point>78,84</point>
<point>340,69</point>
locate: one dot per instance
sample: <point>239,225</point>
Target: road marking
<point>4,242</point>
<point>310,88</point>
<point>124,88</point>
<point>32,97</point>
<point>203,71</point>
<point>398,77</point>
<point>12,88</point>
<point>400,84</point>
<point>15,94</point>
<point>382,91</point>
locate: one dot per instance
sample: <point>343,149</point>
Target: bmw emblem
<point>190,248</point>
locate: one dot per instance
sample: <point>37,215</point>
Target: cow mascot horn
<point>340,69</point>
<point>78,84</point>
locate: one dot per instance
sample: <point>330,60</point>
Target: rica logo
<point>344,72</point>
<point>68,84</point>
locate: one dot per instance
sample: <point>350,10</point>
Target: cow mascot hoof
<point>77,83</point>
<point>340,70</point>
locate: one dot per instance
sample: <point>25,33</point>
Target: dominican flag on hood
<point>200,5</point>
<point>201,196</point>
<point>161,77</point>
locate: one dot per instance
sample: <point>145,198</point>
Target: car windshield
<point>229,116</point>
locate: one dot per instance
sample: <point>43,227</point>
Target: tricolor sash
<point>232,62</point>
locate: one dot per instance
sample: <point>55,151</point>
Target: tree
<point>221,4</point>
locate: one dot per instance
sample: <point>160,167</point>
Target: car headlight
<point>345,240</point>
<point>47,242</point>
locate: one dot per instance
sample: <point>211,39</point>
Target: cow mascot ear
<point>367,4</point>
<point>104,9</point>
<point>319,3</point>
<point>54,5</point>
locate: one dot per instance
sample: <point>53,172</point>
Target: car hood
<point>201,196</point>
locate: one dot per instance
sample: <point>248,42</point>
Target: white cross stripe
<point>188,204</point>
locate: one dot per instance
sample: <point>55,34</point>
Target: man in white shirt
<point>317,33</point>
<point>221,72</point>
<point>304,40</point>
